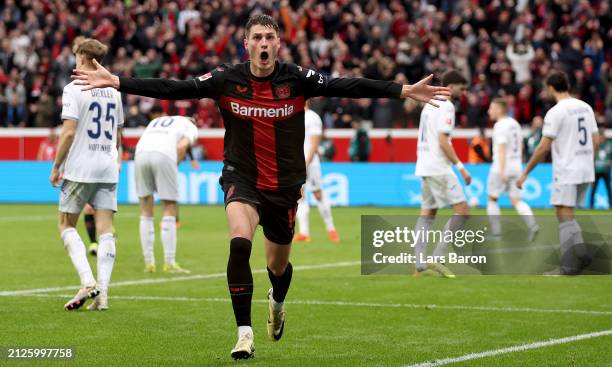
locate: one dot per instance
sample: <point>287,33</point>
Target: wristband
<point>459,165</point>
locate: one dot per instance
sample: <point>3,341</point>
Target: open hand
<point>99,78</point>
<point>423,92</point>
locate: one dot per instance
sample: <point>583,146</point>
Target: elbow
<point>69,135</point>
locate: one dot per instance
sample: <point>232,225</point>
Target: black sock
<point>280,285</point>
<point>90,225</point>
<point>240,279</point>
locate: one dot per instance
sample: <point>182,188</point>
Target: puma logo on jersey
<point>286,110</point>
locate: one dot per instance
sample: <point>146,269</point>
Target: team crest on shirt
<point>205,77</point>
<point>449,121</point>
<point>240,89</point>
<point>284,91</point>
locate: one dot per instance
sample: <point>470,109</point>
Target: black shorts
<point>276,208</point>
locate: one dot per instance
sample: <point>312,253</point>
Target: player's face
<point>262,44</point>
<point>493,111</point>
<point>457,90</point>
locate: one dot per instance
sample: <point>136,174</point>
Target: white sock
<point>302,217</point>
<point>420,248</point>
<point>76,250</point>
<point>168,237</point>
<point>325,211</point>
<point>455,223</point>
<point>523,209</point>
<point>106,260</point>
<point>147,239</point>
<point>494,212</point>
<point>245,330</point>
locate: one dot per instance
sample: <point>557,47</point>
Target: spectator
<point>44,111</point>
<point>327,151</point>
<point>520,56</point>
<point>48,147</point>
<point>15,95</point>
<point>360,148</point>
<point>533,139</point>
<point>480,148</point>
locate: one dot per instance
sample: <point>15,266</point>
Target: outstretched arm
<point>150,87</point>
<point>319,85</point>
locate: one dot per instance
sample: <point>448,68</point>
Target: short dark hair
<point>261,19</point>
<point>453,77</point>
<point>501,102</point>
<point>558,80</point>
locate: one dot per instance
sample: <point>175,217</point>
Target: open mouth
<point>264,56</point>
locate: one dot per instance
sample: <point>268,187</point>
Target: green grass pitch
<point>335,316</point>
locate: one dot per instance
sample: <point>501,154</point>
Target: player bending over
<point>505,170</point>
<point>161,148</point>
<point>571,130</point>
<point>88,162</point>
<point>262,104</point>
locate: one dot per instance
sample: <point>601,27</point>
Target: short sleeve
<point>191,132</point>
<point>120,115</point>
<point>551,125</point>
<point>70,105</point>
<point>446,121</point>
<point>500,134</point>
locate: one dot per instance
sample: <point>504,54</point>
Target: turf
<point>338,317</point>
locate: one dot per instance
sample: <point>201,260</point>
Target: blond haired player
<point>88,162</point>
<point>506,168</point>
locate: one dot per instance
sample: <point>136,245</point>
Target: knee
<point>278,268</point>
<point>240,249</point>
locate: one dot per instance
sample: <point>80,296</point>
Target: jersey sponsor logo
<point>250,111</point>
<point>205,77</point>
<point>284,91</point>
<point>241,89</point>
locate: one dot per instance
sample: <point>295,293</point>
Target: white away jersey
<point>508,131</point>
<point>571,123</point>
<point>99,114</point>
<point>313,127</point>
<point>431,160</point>
<point>163,134</point>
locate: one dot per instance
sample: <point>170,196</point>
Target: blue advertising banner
<point>344,184</point>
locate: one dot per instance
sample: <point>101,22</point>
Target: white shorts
<point>571,195</point>
<point>156,173</point>
<point>313,176</point>
<point>74,196</point>
<point>440,191</point>
<point>496,187</point>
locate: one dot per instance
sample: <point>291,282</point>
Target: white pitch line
<point>39,218</point>
<point>516,348</point>
<point>346,303</point>
<point>175,279</point>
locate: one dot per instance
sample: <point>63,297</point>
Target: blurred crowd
<point>503,47</point>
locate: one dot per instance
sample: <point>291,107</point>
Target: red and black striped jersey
<point>263,117</point>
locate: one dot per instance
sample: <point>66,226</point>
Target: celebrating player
<point>313,132</point>
<point>88,151</point>
<point>161,147</point>
<point>571,130</point>
<point>262,104</point>
<point>439,185</point>
<point>506,168</point>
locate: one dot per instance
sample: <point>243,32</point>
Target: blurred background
<point>504,48</point>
